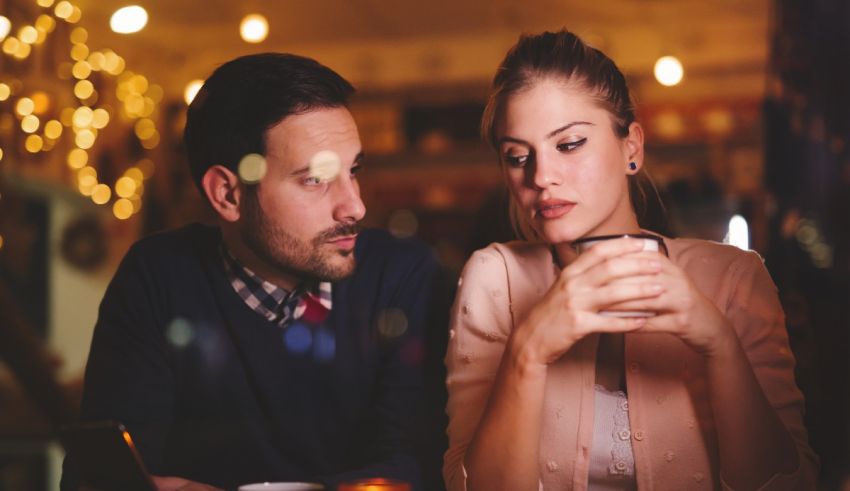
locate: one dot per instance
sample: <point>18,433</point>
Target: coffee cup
<point>281,486</point>
<point>650,243</point>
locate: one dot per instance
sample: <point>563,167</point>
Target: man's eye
<point>312,181</point>
<point>568,146</point>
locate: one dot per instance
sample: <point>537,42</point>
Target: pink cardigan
<point>673,438</point>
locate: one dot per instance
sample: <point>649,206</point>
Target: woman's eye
<point>516,160</point>
<point>312,181</point>
<point>568,146</point>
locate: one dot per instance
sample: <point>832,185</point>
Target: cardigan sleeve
<point>479,327</point>
<point>756,314</point>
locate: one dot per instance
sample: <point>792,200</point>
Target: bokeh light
<point>392,322</point>
<point>101,194</point>
<point>77,158</point>
<point>53,129</point>
<point>252,168</point>
<point>34,143</point>
<point>25,106</point>
<point>122,208</point>
<point>298,338</point>
<point>403,223</point>
<point>63,10</point>
<point>180,332</point>
<point>30,123</point>
<point>254,28</point>
<point>192,89</point>
<point>5,27</point>
<point>128,20</point>
<point>668,71</point>
<point>325,165</point>
<point>5,91</point>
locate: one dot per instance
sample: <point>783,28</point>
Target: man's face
<point>296,224</point>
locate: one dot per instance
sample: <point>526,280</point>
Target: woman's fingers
<point>602,252</point>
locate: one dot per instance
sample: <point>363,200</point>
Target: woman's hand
<point>570,309</point>
<point>682,310</point>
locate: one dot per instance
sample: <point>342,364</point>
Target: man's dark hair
<point>248,95</point>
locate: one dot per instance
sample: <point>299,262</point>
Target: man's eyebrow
<point>358,159</point>
<point>511,139</point>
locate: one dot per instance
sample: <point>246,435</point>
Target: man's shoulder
<point>178,241</point>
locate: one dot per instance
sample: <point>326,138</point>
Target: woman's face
<point>565,166</point>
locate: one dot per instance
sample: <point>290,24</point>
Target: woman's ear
<point>224,191</point>
<point>634,149</point>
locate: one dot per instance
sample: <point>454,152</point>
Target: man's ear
<point>634,148</point>
<point>224,192</point>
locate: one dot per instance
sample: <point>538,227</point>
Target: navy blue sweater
<point>210,392</point>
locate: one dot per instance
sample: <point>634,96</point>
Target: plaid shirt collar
<point>269,300</point>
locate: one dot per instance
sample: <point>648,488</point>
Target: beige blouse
<point>672,431</point>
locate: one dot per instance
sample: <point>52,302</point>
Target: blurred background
<point>746,105</point>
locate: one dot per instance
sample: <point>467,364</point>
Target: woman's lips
<point>554,208</point>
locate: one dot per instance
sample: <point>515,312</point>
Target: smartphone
<point>105,457</point>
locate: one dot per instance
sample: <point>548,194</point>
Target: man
<point>282,345</point>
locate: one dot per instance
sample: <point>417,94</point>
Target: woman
<point>544,391</point>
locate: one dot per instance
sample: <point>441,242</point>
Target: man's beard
<point>309,261</point>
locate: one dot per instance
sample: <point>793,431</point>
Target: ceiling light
<point>128,20</point>
<point>254,28</point>
<point>668,71</point>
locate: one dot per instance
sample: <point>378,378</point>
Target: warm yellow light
<point>135,174</point>
<point>28,34</point>
<point>125,187</point>
<point>76,15</point>
<point>144,128</point>
<point>151,142</point>
<point>45,23</point>
<point>44,3</point>
<point>81,70</point>
<point>254,28</point>
<point>77,158</point>
<point>79,35</point>
<point>5,92</point>
<point>100,118</point>
<point>5,26</point>
<point>23,51</point>
<point>67,116</point>
<point>87,174</point>
<point>668,71</point>
<point>30,123</point>
<point>101,194</point>
<point>147,107</point>
<point>128,20</point>
<point>85,139</point>
<point>83,89</point>
<point>10,45</point>
<point>112,63</point>
<point>42,35</point>
<point>34,144</point>
<point>79,52</point>
<point>134,104</point>
<point>1,154</point>
<point>122,209</point>
<point>138,84</point>
<point>96,61</point>
<point>53,129</point>
<point>191,90</point>
<point>1,241</point>
<point>25,106</point>
<point>63,9</point>
<point>41,102</point>
<point>83,117</point>
<point>155,92</point>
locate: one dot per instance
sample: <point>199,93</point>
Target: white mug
<point>281,486</point>
<point>650,243</point>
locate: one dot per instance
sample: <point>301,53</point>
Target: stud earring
<point>632,166</point>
